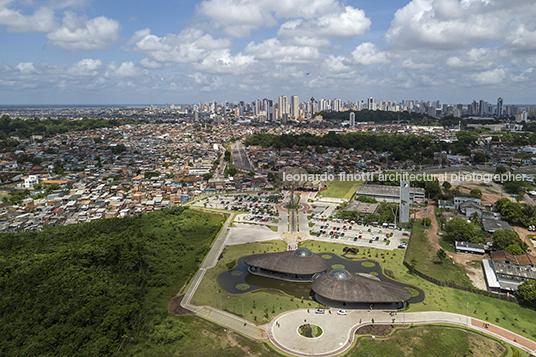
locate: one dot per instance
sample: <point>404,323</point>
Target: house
<point>491,215</point>
<point>458,200</point>
<point>472,248</point>
<point>493,225</point>
<point>510,270</point>
<point>470,207</point>
<point>446,204</point>
<point>30,181</point>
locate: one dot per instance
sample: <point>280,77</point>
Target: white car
<point>319,311</point>
<point>342,312</point>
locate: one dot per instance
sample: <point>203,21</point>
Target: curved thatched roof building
<point>341,285</point>
<point>299,263</point>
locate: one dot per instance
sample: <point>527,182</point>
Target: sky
<point>179,51</point>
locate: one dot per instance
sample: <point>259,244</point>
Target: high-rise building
<point>257,107</point>
<point>352,119</point>
<point>499,107</point>
<point>283,105</point>
<point>270,111</point>
<point>371,104</point>
<point>336,105</point>
<point>482,106</point>
<point>322,105</point>
<point>295,107</point>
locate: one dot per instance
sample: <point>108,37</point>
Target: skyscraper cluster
<point>284,109</point>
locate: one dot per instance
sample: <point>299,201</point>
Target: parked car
<point>342,312</point>
<point>319,311</point>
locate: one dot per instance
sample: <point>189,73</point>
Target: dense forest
<point>46,127</point>
<point>401,147</point>
<point>98,288</point>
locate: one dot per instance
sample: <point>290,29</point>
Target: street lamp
<point>242,307</point>
<point>403,314</point>
<point>467,316</point>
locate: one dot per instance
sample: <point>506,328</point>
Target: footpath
<point>338,331</point>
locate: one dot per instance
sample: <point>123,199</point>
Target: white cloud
<point>367,53</point>
<point>523,37</point>
<point>26,68</point>
<point>476,58</point>
<point>148,64</point>
<point>222,62</point>
<point>273,50</point>
<point>191,45</point>
<point>86,67</point>
<point>336,64</point>
<point>125,70</point>
<point>81,33</point>
<point>344,25</point>
<point>239,17</point>
<point>490,77</point>
<point>42,20</point>
<point>452,24</point>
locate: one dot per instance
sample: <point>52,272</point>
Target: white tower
<point>404,201</point>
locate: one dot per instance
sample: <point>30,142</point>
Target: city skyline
<point>95,52</point>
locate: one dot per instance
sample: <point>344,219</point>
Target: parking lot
<point>261,205</point>
<point>318,222</point>
<point>358,234</point>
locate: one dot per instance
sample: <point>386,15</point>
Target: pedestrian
<point>307,310</point>
<point>329,312</point>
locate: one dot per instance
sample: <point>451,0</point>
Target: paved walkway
<point>223,318</point>
<point>339,331</point>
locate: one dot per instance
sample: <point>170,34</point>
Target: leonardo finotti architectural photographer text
<point>405,176</point>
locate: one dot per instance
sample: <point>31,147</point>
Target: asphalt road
<point>240,157</point>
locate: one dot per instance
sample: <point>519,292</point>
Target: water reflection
<point>239,280</point>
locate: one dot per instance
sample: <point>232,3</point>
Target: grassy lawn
<point>3,194</point>
<point>341,189</point>
<point>423,254</point>
<point>259,306</point>
<point>198,337</point>
<point>502,313</point>
<point>430,341</point>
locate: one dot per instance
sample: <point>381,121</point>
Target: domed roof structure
<point>300,262</point>
<point>303,252</point>
<point>341,285</point>
<point>340,274</point>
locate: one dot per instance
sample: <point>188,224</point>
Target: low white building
<point>30,181</point>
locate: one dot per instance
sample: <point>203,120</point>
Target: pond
<point>239,280</point>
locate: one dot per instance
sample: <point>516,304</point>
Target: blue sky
<point>142,52</point>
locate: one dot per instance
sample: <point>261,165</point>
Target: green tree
<point>526,293</point>
<point>500,170</point>
<point>207,176</point>
<point>458,229</point>
<point>508,240</point>
<point>441,255</point>
<point>447,185</point>
<point>514,249</point>
<point>476,193</point>
<point>480,158</point>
